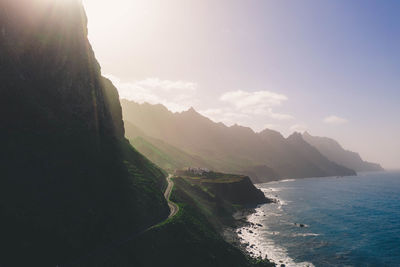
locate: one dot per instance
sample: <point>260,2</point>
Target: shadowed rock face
<point>47,60</point>
<point>69,181</point>
<point>241,192</point>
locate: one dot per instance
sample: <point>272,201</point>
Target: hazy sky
<point>330,67</point>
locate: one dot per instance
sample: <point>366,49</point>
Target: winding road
<point>172,206</point>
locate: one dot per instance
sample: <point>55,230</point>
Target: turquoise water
<point>349,221</point>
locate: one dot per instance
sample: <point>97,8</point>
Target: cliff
<point>241,192</point>
<point>233,188</point>
<point>70,183</point>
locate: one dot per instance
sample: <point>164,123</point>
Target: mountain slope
<point>69,180</point>
<point>263,156</point>
<point>164,155</point>
<point>335,152</point>
<point>192,237</point>
<point>320,164</point>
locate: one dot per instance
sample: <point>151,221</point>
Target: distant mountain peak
<point>296,136</point>
<point>264,156</point>
<point>192,112</point>
<point>333,150</point>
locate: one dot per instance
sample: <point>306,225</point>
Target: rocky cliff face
<point>241,192</point>
<point>47,62</point>
<point>69,181</point>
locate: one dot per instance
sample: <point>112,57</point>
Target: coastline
<point>232,234</point>
<point>275,232</point>
<point>249,234</point>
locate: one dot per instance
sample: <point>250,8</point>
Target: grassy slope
<point>230,188</point>
<point>147,181</point>
<point>171,158</point>
<point>164,155</point>
<point>232,149</point>
<point>190,238</point>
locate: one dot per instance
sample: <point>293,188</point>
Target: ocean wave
<point>270,189</point>
<point>287,180</point>
<point>279,181</point>
<point>271,194</point>
<point>258,244</point>
<point>276,214</point>
<point>282,202</point>
<point>305,234</point>
<point>266,248</point>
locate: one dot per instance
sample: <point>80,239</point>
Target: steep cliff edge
<point>69,182</point>
<point>232,188</point>
<point>241,192</point>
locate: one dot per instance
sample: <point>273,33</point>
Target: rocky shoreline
<point>231,234</point>
<point>247,234</point>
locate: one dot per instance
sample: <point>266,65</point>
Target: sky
<point>331,68</point>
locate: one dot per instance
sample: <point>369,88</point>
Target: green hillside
<point>263,156</point>
<point>164,155</point>
<point>191,238</point>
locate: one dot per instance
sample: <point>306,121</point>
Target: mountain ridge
<point>264,156</point>
<point>335,152</point>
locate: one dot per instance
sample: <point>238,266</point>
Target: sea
<point>333,221</point>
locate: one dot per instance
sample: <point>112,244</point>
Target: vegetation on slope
<point>235,189</point>
<point>164,155</point>
<point>191,238</point>
<point>263,156</point>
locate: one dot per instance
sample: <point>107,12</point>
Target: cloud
<point>279,116</point>
<point>175,95</point>
<point>246,108</point>
<point>256,103</point>
<point>243,99</point>
<point>299,128</point>
<point>335,120</point>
